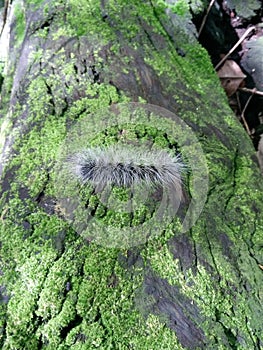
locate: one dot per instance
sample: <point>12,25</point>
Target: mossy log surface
<point>201,289</point>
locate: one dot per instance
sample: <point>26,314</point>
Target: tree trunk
<point>196,283</point>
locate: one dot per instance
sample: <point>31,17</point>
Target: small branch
<point>252,91</point>
<point>243,114</point>
<point>5,13</point>
<point>243,37</point>
<point>205,17</point>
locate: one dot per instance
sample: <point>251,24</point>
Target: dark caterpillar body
<point>125,167</point>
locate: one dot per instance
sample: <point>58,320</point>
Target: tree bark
<point>197,289</point>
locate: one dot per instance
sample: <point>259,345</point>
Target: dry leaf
<point>231,77</point>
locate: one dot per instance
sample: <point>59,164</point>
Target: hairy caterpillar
<point>124,167</point>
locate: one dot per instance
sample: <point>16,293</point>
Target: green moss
<point>65,291</point>
<point>212,298</point>
<point>39,99</point>
<point>38,153</point>
<point>43,282</point>
<point>19,12</point>
<point>181,7</point>
<point>83,12</point>
<point>198,6</point>
<point>35,2</point>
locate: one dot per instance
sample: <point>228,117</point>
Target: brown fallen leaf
<point>231,77</point>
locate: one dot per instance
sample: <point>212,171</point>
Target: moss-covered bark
<point>196,290</point>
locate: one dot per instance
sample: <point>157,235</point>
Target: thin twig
<point>205,17</point>
<point>5,13</point>
<point>243,114</point>
<point>243,37</point>
<point>238,101</point>
<point>252,91</point>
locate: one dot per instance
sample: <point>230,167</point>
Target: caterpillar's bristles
<point>123,167</point>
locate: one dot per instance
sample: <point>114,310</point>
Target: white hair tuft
<point>123,166</point>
